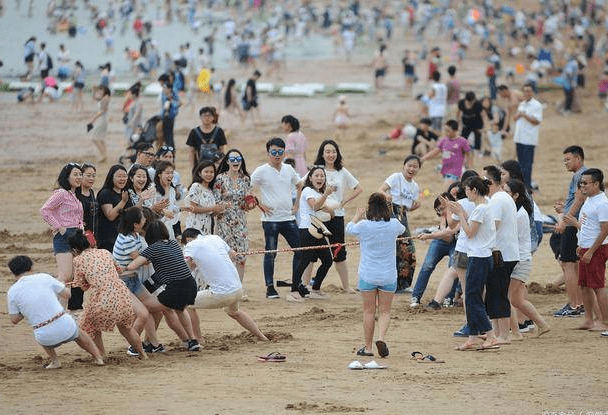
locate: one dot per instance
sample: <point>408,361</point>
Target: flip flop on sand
<point>382,348</point>
<point>356,365</point>
<point>417,355</point>
<point>272,357</point>
<point>430,359</point>
<point>489,346</point>
<point>374,365</point>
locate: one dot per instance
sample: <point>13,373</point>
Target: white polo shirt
<point>526,132</point>
<point>275,189</point>
<point>593,213</point>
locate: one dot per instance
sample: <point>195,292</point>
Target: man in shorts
<point>34,296</point>
<point>593,249</point>
<point>574,160</point>
<point>210,259</point>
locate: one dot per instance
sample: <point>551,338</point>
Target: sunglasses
<point>167,148</point>
<point>236,159</point>
<point>88,166</point>
<point>278,152</point>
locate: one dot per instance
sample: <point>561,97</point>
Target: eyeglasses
<point>167,148</point>
<point>148,153</point>
<point>278,152</point>
<point>584,183</point>
<point>236,159</point>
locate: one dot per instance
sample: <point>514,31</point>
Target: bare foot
<point>350,290</point>
<point>585,326</point>
<point>499,340</point>
<point>598,326</point>
<point>466,346</point>
<point>143,355</point>
<point>517,337</point>
<point>541,330</point>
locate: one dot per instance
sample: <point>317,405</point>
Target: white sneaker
<point>604,333</point>
<point>415,302</point>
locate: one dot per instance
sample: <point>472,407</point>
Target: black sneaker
<point>132,352</point>
<point>147,347</point>
<point>193,345</point>
<point>434,305</point>
<point>156,349</point>
<point>271,292</point>
<point>282,283</point>
<point>303,291</point>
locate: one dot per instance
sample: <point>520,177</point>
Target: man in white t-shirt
<point>527,127</point>
<point>504,212</point>
<point>593,249</point>
<point>273,183</point>
<point>210,259</point>
<point>438,96</point>
<point>34,297</point>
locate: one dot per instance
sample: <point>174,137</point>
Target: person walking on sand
<point>378,233</point>
<point>592,249</point>
<point>35,297</point>
<point>99,122</point>
<point>380,65</point>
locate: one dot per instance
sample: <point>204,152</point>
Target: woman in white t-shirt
<point>313,198</point>
<point>377,267</point>
<point>480,231</point>
<point>521,273</point>
<point>401,190</point>
<point>347,188</point>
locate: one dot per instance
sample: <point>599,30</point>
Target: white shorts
<point>522,271</point>
<point>210,300</point>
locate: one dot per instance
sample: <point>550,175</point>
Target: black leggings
<point>306,239</point>
<point>76,299</point>
<point>466,131</point>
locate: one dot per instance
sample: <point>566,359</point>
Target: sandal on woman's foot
<point>466,347</point>
<point>363,352</point>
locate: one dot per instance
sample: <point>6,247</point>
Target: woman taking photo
<point>480,231</point>
<point>295,143</point>
<point>347,188</point>
<point>313,198</point>
<point>64,214</point>
<point>377,232</point>
<point>401,191</point>
<point>200,200</point>
<point>232,186</point>
<point>112,198</point>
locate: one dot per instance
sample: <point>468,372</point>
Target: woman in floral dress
<point>110,301</point>
<point>200,199</point>
<point>232,184</point>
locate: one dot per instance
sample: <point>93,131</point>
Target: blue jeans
<point>272,230</point>
<point>478,270</point>
<point>437,250</point>
<point>525,156</point>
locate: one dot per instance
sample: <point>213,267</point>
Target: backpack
<point>49,62</point>
<point>148,134</point>
<point>208,149</point>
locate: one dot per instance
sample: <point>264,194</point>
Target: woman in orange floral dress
<point>109,298</point>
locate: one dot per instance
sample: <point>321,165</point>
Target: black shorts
<point>380,73</point>
<point>44,73</point>
<point>30,58</point>
<point>336,227</point>
<point>497,291</point>
<point>568,243</point>
<point>178,294</point>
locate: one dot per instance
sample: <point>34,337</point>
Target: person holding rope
<point>272,183</point>
<point>378,233</point>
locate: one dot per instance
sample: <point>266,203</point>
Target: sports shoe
<point>271,292</point>
<point>604,334</point>
<point>147,347</point>
<point>132,352</point>
<point>581,309</point>
<point>571,312</point>
<point>157,349</point>
<point>448,302</point>
<point>304,291</point>
<point>464,331</point>
<point>193,345</point>
<point>561,311</point>
<point>434,305</point>
<point>526,326</point>
<point>415,302</point>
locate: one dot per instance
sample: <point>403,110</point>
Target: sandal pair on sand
<point>272,357</point>
<point>420,357</point>
<point>380,345</point>
<point>357,365</point>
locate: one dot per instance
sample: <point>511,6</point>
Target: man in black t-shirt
<point>425,139</point>
<point>207,141</point>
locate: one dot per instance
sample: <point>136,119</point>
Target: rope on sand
<point>309,248</point>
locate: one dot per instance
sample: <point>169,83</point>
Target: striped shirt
<point>124,246</point>
<point>62,210</point>
<point>168,261</point>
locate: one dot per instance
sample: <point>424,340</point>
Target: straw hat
<point>317,229</point>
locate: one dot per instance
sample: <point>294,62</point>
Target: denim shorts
<point>133,283</point>
<point>366,286</point>
<point>61,243</point>
<point>450,176</point>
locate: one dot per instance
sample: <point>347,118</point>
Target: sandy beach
<point>562,372</point>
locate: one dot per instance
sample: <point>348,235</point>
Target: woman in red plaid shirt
<point>63,213</point>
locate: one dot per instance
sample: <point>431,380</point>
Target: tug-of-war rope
<point>309,248</point>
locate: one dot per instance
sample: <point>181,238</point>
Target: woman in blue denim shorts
<point>377,267</point>
<point>64,214</point>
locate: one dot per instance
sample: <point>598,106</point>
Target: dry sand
<point>563,370</point>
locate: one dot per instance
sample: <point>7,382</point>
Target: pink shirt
<point>453,152</point>
<point>62,210</point>
<point>296,143</point>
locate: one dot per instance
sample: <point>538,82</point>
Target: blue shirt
<point>576,178</point>
<point>173,107</point>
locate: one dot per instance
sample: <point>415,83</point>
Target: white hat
<point>317,229</point>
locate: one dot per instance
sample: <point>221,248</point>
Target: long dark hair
<point>63,180</point>
<point>308,182</point>
<point>321,162</point>
<point>109,182</point>
<point>224,166</point>
<point>227,94</point>
<point>377,208</point>
<point>160,168</point>
<point>519,187</point>
<point>156,231</point>
<point>481,185</point>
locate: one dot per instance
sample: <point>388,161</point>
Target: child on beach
<point>341,114</point>
<point>456,153</point>
<point>425,139</point>
<point>35,297</point>
<point>495,137</point>
<point>377,232</point>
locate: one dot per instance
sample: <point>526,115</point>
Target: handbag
<point>249,202</point>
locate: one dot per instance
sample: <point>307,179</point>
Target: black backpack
<point>208,149</point>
